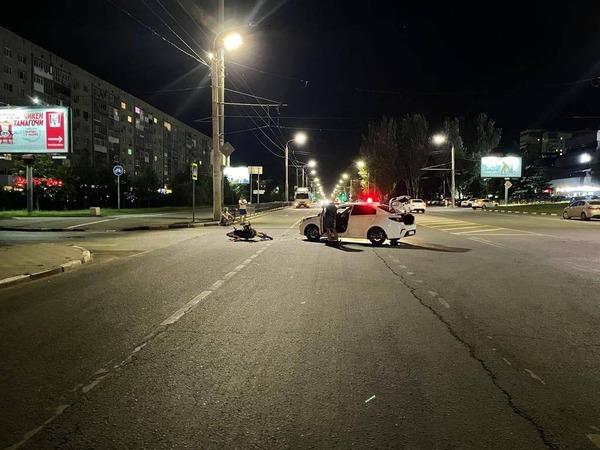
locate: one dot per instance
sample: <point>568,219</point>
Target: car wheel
<point>377,236</point>
<point>584,217</point>
<point>394,242</point>
<point>483,207</point>
<point>474,208</point>
<point>312,233</point>
<point>566,216</point>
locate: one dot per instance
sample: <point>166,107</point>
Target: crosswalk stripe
<point>486,230</point>
<point>462,227</point>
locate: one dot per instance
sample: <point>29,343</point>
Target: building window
<point>137,110</point>
<point>129,119</point>
<point>155,120</point>
<point>85,115</point>
<point>129,152</point>
<point>7,52</point>
<point>22,59</point>
<point>123,105</point>
<point>155,158</point>
<point>7,69</point>
<point>21,75</point>
<point>8,87</point>
<point>168,126</point>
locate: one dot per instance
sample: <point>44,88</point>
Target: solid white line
<point>240,267</point>
<point>463,227</point>
<point>247,261</point>
<point>228,275</point>
<point>90,223</point>
<point>369,399</point>
<point>185,308</point>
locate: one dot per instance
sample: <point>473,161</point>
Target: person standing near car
<point>243,205</point>
<point>329,222</point>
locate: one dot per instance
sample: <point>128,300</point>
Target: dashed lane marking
<point>444,303</point>
<point>216,285</point>
<point>187,307</point>
<point>72,227</point>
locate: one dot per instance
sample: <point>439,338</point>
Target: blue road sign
<point>118,170</point>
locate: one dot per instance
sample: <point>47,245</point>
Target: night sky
<point>339,64</point>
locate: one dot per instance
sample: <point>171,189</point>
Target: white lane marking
<point>253,256</point>
<point>142,253</point>
<point>483,241</point>
<point>444,303</point>
<point>228,275</point>
<point>369,399</point>
<point>507,361</point>
<point>216,285</point>
<point>410,273</point>
<point>433,293</point>
<point>72,227</point>
<point>595,438</point>
<point>534,376</point>
<point>463,227</point>
<point>460,233</point>
<point>240,267</point>
<point>418,281</point>
<point>57,412</point>
<point>186,308</point>
<point>247,261</point>
<point>402,266</point>
<point>93,384</point>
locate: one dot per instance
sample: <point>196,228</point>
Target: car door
<point>361,219</point>
<point>575,209</point>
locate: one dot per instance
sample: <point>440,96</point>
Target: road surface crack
<point>471,349</point>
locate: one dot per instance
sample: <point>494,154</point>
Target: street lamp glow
<point>312,163</point>
<point>439,139</point>
<point>300,138</point>
<point>316,180</point>
<point>232,41</point>
<point>361,164</point>
<point>36,100</point>
<point>345,176</point>
<point>313,172</point>
<point>210,55</point>
<point>585,158</point>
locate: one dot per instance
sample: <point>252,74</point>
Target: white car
<point>585,209</point>
<point>468,203</point>
<point>415,205</point>
<point>483,203</point>
<point>363,220</point>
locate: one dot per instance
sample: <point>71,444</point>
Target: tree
<point>413,152</point>
<point>379,148</point>
<point>480,138</point>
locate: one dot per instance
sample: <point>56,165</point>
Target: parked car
<point>363,220</point>
<point>483,203</point>
<point>584,209</point>
<point>467,203</point>
<point>415,205</point>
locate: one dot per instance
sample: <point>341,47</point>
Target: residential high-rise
<point>109,125</point>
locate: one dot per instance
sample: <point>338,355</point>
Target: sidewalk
<point>24,262</point>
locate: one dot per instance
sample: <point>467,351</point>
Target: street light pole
<point>287,172</point>
<point>218,116</point>
<point>453,179</point>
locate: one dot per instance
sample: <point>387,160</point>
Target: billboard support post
<point>194,178</point>
<point>453,194</point>
<point>29,160</point>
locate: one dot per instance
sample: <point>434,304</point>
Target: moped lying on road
<point>246,233</point>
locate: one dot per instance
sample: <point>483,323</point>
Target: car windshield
<point>301,195</point>
<point>384,207</point>
<point>417,200</point>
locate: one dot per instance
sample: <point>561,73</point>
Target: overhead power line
<point>156,33</point>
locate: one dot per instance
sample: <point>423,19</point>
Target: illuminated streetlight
<point>345,176</point>
<point>312,164</point>
<point>300,138</point>
<point>232,41</point>
<point>585,158</point>
<point>36,100</point>
<point>439,139</point>
<point>361,164</point>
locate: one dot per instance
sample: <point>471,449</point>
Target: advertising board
<point>237,175</point>
<point>39,130</point>
<point>501,167</point>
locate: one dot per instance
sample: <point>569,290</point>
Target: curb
<point>38,229</point>
<point>86,257</point>
<point>195,225</point>
<point>519,212</point>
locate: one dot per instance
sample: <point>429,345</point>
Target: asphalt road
<point>480,332</point>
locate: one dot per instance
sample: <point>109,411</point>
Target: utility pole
<point>453,193</point>
<point>218,116</point>
<point>287,173</point>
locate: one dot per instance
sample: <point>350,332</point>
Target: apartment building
<point>109,125</point>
